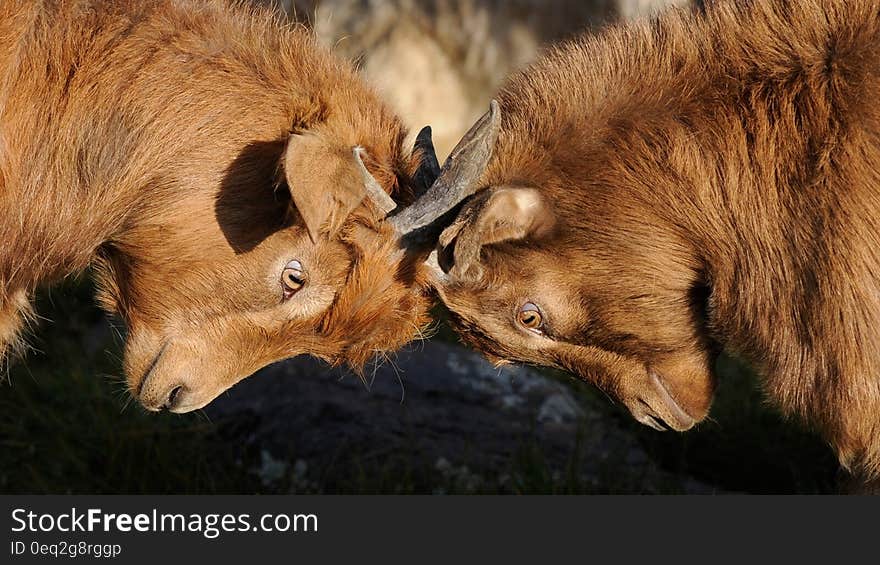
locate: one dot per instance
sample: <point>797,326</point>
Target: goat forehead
<point>510,282</point>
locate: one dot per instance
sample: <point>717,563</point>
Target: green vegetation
<point>67,426</point>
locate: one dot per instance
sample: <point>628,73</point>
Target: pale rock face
<point>635,8</point>
<point>423,85</point>
<point>439,62</point>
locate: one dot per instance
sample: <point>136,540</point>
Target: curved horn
<point>374,190</point>
<point>458,177</point>
<point>429,169</point>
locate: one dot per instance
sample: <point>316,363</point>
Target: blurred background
<point>439,62</point>
<point>436,418</point>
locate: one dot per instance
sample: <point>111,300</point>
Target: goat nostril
<point>172,397</point>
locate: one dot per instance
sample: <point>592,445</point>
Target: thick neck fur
<point>117,113</point>
<point>743,144</point>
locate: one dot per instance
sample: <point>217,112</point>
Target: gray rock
<point>439,404</point>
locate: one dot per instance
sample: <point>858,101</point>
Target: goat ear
<point>325,182</point>
<point>492,216</point>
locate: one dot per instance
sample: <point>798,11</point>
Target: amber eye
<point>530,317</point>
<point>293,278</point>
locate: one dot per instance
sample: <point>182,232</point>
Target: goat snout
<point>166,397</point>
<point>157,393</point>
<point>659,410</point>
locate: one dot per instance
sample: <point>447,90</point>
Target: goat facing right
<point>708,180</point>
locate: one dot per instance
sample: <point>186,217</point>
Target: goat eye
<point>293,278</point>
<point>530,317</point>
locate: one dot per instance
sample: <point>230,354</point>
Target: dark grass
<point>66,426</point>
<point>745,445</point>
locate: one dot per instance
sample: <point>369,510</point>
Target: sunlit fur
<point>716,179</point>
<point>145,138</point>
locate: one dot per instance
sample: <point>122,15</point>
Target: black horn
<point>458,177</point>
<point>429,169</point>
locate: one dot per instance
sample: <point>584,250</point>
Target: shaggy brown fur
<point>148,138</point>
<point>713,179</point>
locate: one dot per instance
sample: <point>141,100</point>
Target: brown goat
<point>705,180</point>
<point>210,163</point>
